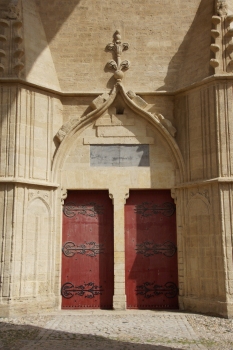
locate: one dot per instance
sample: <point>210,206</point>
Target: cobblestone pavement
<point>123,330</point>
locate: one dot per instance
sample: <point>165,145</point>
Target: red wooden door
<point>151,258</point>
<point>87,250</point>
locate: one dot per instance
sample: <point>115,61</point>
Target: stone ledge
<point>28,182</point>
<point>205,182</point>
<point>205,81</point>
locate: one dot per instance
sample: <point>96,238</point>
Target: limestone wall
<point>169,41</point>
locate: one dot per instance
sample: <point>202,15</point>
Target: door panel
<point>87,250</point>
<point>151,253</point>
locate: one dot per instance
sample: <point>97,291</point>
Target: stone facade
<point>101,72</point>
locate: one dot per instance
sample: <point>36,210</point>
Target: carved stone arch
<point>42,200</point>
<point>194,199</point>
<point>80,125</point>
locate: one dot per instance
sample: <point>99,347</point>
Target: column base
<point>119,302</point>
<point>18,308</point>
<point>208,307</point>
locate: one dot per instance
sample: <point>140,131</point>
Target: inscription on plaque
<point>119,155</point>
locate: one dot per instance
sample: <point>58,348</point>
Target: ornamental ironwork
<point>88,248</point>
<point>148,209</point>
<point>149,290</point>
<point>87,290</point>
<point>150,248</point>
<point>90,209</point>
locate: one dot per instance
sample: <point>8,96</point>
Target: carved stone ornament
<point>12,50</point>
<point>221,7</point>
<point>143,105</point>
<point>203,193</point>
<point>64,194</point>
<point>118,47</point>
<point>167,124</point>
<point>174,195</point>
<point>63,131</point>
<point>13,11</point>
<point>137,99</point>
<point>38,193</point>
<point>99,101</point>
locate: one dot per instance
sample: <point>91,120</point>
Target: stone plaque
<point>119,155</point>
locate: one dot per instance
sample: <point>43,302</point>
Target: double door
<point>150,250</point>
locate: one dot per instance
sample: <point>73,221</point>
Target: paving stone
<point>113,330</point>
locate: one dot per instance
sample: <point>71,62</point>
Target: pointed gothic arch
<point>76,126</point>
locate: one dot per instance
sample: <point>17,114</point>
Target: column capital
<point>119,193</point>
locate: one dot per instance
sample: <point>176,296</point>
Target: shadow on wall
<point>38,34</point>
<point>19,337</point>
<point>191,62</point>
<point>53,9</point>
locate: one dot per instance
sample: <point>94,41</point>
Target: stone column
<point>119,196</point>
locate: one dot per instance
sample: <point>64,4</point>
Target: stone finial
<point>118,47</point>
<point>221,7</point>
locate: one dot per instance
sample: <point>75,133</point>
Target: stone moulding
<point>215,47</point>
<point>19,181</point>
<point>208,80</point>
